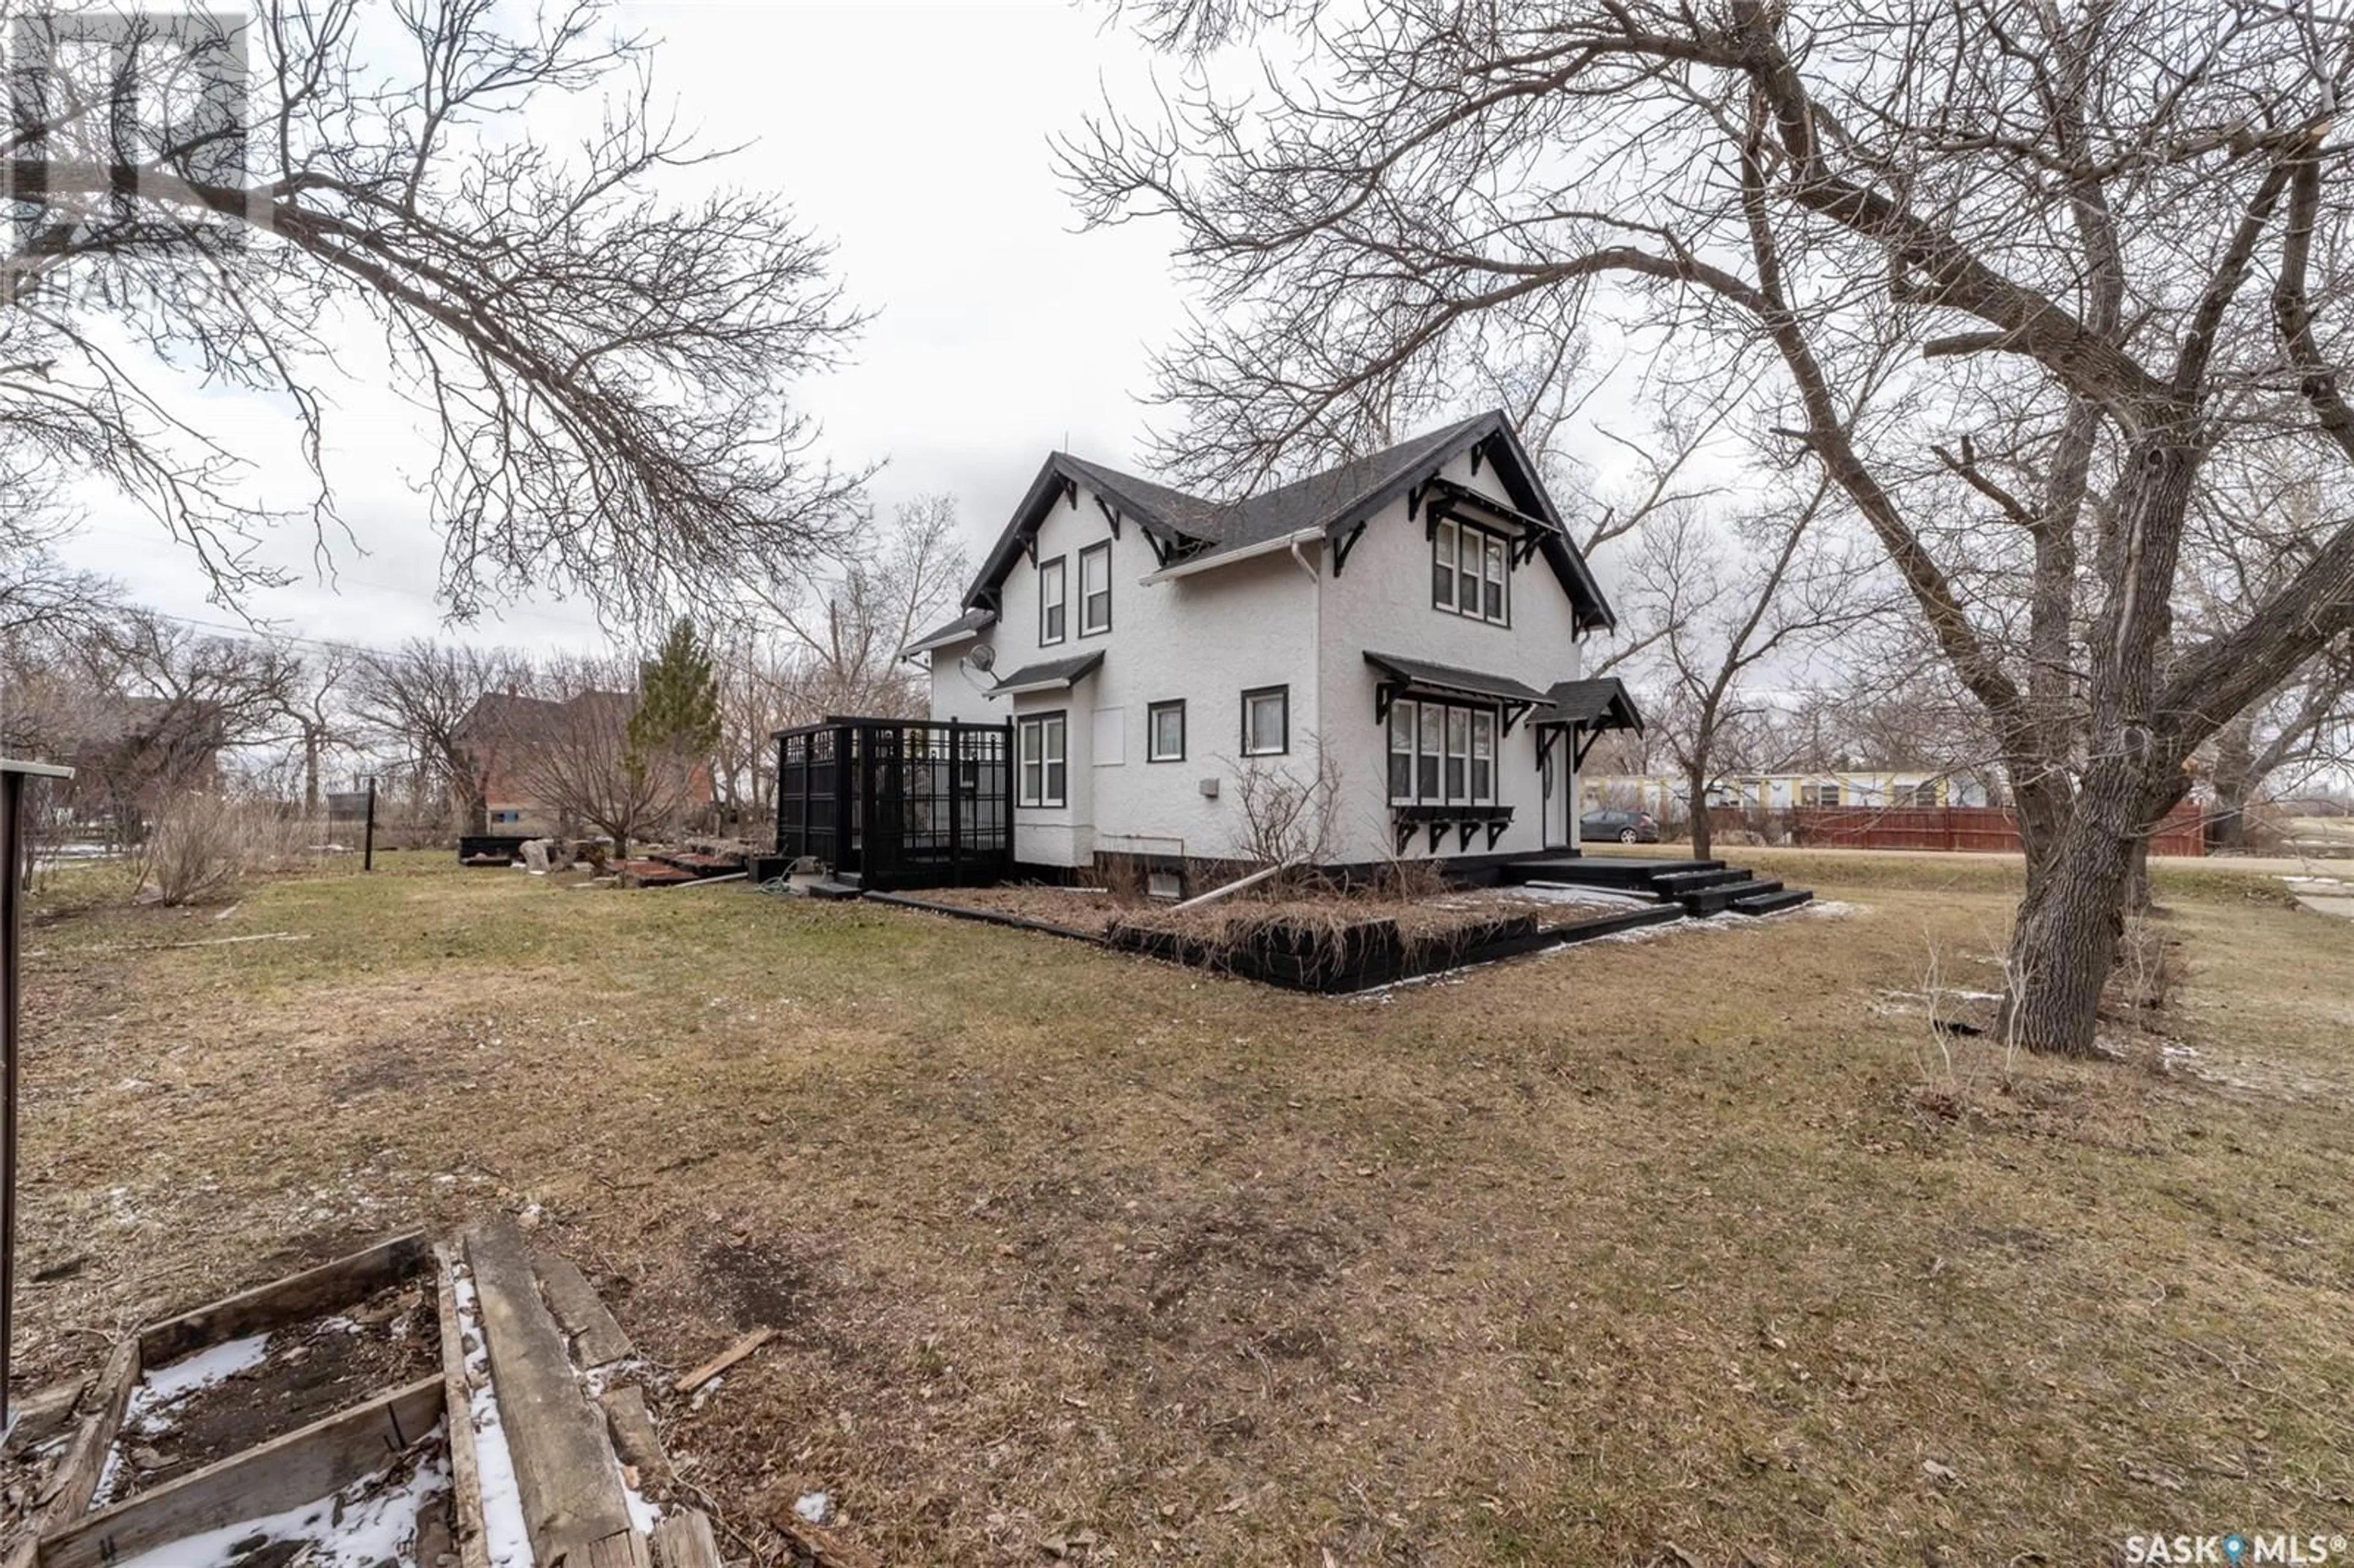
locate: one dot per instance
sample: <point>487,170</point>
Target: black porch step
<point>1771,903</point>
<point>1717,899</point>
<point>1634,874</point>
<point>1675,883</point>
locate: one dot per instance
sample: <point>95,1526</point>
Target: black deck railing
<point>898,803</point>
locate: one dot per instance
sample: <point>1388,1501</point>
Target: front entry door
<point>1557,770</point>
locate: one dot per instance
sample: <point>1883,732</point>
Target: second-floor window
<point>1468,574</point>
<point>1094,589</point>
<point>1051,607</point>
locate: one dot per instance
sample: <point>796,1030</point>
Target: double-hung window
<point>1266,720</point>
<point>1051,608</point>
<point>1470,572</point>
<point>1044,768</point>
<point>1165,732</point>
<point>1441,754</point>
<point>1095,589</point>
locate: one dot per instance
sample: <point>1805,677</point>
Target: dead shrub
<point>202,845</point>
<point>2141,984</point>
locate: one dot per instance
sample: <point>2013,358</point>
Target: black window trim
<point>1101,547</point>
<point>1463,529</point>
<point>1283,690</point>
<point>1063,574</point>
<point>1413,706</point>
<point>1153,711</point>
<point>1022,722</point>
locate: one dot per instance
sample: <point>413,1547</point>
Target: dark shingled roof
<point>1424,676</point>
<point>1599,703</point>
<point>1333,502</point>
<point>1049,672</point>
<point>970,623</point>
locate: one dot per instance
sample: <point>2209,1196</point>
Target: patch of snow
<point>644,1515</point>
<point>814,1507</point>
<point>362,1526</point>
<point>506,1540</point>
<point>340,1322</point>
<point>175,1381</point>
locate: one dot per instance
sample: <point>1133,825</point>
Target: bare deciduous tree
<point>2119,231</point>
<point>847,642</point>
<point>249,198</point>
<point>413,703</point>
<point>578,760</point>
<point>1719,601</point>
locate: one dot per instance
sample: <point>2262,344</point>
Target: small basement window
<point>1164,884</point>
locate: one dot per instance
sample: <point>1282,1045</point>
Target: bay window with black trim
<point>1442,754</point>
<point>1095,589</point>
<point>1052,609</point>
<point>1043,774</point>
<point>1470,572</point>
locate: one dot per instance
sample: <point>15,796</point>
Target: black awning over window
<point>1419,677</point>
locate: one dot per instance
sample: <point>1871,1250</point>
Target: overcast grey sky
<point>915,136</point>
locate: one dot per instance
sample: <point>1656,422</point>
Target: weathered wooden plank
<point>303,1466</point>
<point>283,1301</point>
<point>564,1469</point>
<point>684,1539</point>
<point>626,1550</point>
<point>725,1359</point>
<point>631,1426</point>
<point>596,1338</point>
<point>465,1464</point>
<point>74,1482</point>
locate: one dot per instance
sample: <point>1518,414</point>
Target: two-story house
<point>1395,642</point>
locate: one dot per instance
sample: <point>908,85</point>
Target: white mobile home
<point>1397,639</point>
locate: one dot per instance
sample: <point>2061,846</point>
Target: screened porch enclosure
<point>897,804</point>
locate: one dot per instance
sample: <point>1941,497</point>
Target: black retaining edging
<point>986,916</point>
<point>1373,954</point>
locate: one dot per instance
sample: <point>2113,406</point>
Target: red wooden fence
<point>2182,831</point>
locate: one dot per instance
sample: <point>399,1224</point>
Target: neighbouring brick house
<point>528,754</point>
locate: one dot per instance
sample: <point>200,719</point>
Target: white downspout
<point>1315,641</point>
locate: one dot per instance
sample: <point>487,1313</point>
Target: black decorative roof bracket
<point>1591,737</point>
<point>1385,694</point>
<point>1071,491</point>
<point>1514,713</point>
<point>1496,830</point>
<point>1544,743</point>
<point>1344,545</point>
<point>1478,447</point>
<point>1111,515</point>
<point>1029,546</point>
<point>1468,826</point>
<point>1438,830</point>
<point>1413,500</point>
<point>1404,830</point>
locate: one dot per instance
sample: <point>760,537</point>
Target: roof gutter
<point>1208,563</point>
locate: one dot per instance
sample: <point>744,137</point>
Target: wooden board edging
<point>283,1301</point>
<point>565,1474</point>
<point>304,1465</point>
<point>75,1480</point>
<point>465,1466</point>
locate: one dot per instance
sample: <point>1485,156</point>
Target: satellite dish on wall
<point>982,658</point>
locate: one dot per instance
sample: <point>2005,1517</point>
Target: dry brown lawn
<point>1699,1250</point>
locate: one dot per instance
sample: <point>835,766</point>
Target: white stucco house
<point>1406,628</point>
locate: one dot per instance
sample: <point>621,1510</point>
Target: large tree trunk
<point>2065,937</point>
<point>1696,783</point>
<point>2064,940</point>
<point>2235,779</point>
